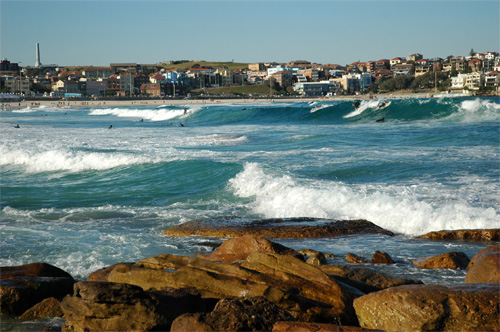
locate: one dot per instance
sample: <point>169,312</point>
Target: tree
<point>471,53</point>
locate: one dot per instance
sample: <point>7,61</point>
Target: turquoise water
<point>81,196</point>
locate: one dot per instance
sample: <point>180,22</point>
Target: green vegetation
<point>185,65</point>
<point>257,89</point>
<point>423,82</point>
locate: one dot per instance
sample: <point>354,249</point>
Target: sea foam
<point>66,160</point>
<point>401,209</point>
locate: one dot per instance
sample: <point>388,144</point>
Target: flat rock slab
<point>280,228</point>
<point>464,235</point>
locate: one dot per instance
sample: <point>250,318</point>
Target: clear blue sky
<point>101,32</point>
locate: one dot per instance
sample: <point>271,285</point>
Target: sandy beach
<point>157,102</point>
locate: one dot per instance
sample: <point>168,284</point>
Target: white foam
<point>476,110</point>
<point>66,160</point>
<point>158,114</point>
<point>409,210</point>
<point>365,104</point>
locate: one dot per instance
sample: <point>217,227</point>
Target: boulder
<point>21,287</point>
<point>449,260</point>
<point>365,279</point>
<point>315,327</point>
<point>102,274</point>
<point>275,228</point>
<point>304,290</point>
<point>485,266</point>
<point>311,252</point>
<point>381,257</point>
<point>48,308</point>
<point>316,259</point>
<point>352,258</point>
<point>464,234</point>
<point>246,314</point>
<point>431,308</point>
<point>238,249</point>
<point>104,306</point>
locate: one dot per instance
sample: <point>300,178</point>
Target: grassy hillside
<point>190,64</point>
<point>256,89</point>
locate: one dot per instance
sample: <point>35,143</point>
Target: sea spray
<point>398,208</point>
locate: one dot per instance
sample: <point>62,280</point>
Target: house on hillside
<point>415,57</point>
<point>98,72</point>
<point>475,64</point>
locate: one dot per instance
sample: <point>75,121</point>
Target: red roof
<point>422,60</point>
<point>475,60</point>
<point>494,73</point>
<point>158,76</point>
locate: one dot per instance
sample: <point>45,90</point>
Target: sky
<point>100,32</point>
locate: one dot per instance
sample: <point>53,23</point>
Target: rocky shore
<point>250,283</point>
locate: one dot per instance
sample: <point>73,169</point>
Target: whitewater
<point>81,196</point>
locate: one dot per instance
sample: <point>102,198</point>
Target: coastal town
<point>477,73</point>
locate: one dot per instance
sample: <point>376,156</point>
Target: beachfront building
<point>284,78</point>
<point>16,84</point>
<point>403,69</point>
<point>98,72</point>
<point>317,89</point>
<point>96,87</point>
<point>474,80</point>
<point>127,83</point>
<point>492,79</point>
<point>153,89</point>
<point>273,70</point>
<point>458,82</point>
<point>257,66</point>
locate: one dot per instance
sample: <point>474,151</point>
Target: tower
<point>37,62</point>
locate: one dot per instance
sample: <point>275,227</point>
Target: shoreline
<point>211,101</point>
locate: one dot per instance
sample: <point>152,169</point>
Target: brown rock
<point>465,234</point>
<point>249,314</point>
<point>101,306</point>
<point>315,327</point>
<point>431,308</point>
<point>485,266</point>
<point>352,258</point>
<point>380,257</point>
<point>49,307</point>
<point>275,228</point>
<point>104,306</point>
<point>23,286</point>
<point>449,260</point>
<point>239,248</point>
<point>33,270</point>
<point>365,279</point>
<point>300,288</point>
<point>102,274</point>
<point>311,252</point>
<point>317,259</point>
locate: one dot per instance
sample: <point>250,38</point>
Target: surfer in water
<point>185,110</point>
<point>111,127</point>
<point>17,126</point>
<point>356,104</point>
<point>381,120</point>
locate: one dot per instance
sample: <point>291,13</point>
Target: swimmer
<point>17,126</point>
<point>110,127</point>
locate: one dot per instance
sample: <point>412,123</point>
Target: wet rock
<point>431,308</point>
<point>464,234</point>
<point>449,260</point>
<point>365,279</point>
<point>381,257</point>
<point>49,307</point>
<point>317,259</point>
<point>248,314</point>
<point>311,252</point>
<point>23,286</point>
<point>315,327</point>
<point>485,266</point>
<point>239,248</point>
<point>275,228</point>
<point>352,258</point>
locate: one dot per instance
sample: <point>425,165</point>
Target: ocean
<point>80,196</point>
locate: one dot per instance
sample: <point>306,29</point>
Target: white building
<point>458,82</point>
